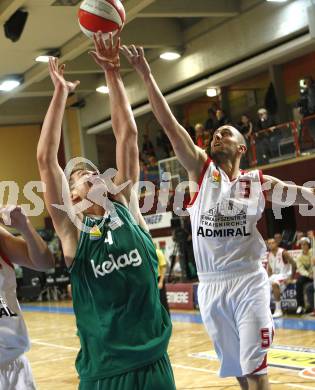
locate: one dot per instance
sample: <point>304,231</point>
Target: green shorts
<point>156,376</point>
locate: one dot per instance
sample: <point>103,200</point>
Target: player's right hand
<point>106,53</point>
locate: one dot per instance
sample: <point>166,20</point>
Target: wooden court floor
<point>55,345</point>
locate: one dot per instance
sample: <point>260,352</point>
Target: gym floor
<point>55,345</point>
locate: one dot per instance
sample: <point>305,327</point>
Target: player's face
<point>244,119</point>
<point>272,244</point>
<point>82,182</point>
<point>225,144</point>
<point>278,238</point>
<point>305,247</point>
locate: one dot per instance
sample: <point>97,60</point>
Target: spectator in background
<point>191,130</point>
<point>306,103</point>
<point>209,123</point>
<point>304,268</point>
<point>308,93</point>
<point>207,138</point>
<point>153,170</point>
<point>266,121</point>
<point>310,291</point>
<point>246,128</point>
<point>278,238</point>
<point>143,170</point>
<point>162,265</point>
<point>164,145</point>
<point>199,132</point>
<point>147,146</point>
<point>264,126</point>
<point>54,246</point>
<point>221,119</point>
<point>281,271</point>
<point>310,235</point>
<point>297,244</point>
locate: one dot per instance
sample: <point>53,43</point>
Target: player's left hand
<point>13,216</point>
<point>160,285</point>
<point>106,53</point>
<point>57,76</point>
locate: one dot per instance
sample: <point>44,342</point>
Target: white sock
<point>278,305</point>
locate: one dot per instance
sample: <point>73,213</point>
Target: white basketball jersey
<point>278,266</point>
<point>223,216</point>
<point>14,339</point>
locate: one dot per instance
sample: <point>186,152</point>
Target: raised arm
<point>276,190</point>
<point>57,190</point>
<point>190,155</point>
<point>106,55</point>
<point>29,250</point>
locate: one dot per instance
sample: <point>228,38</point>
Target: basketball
<point>101,15</point>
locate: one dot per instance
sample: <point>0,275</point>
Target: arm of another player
<point>304,195</point>
<point>29,250</point>
<point>162,267</point>
<point>289,260</point>
<point>190,155</point>
<point>52,175</point>
<point>269,270</point>
<point>162,276</point>
<point>106,55</point>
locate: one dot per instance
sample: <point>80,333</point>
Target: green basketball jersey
<point>121,323</point>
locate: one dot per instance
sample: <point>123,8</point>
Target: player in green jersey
<point>123,329</point>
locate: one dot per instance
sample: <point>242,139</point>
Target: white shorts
<point>279,279</point>
<point>235,309</point>
<point>17,375</point>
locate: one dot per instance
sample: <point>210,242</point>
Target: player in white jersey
<point>28,251</point>
<point>226,205</point>
<point>281,271</point>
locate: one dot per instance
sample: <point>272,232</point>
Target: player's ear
<point>242,148</point>
<point>75,197</point>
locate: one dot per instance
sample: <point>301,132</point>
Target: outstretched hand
<point>57,76</point>
<point>136,58</point>
<point>13,216</point>
<point>106,53</point>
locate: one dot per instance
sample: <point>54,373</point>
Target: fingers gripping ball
<point>101,15</point>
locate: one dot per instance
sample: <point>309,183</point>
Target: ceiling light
<point>102,89</point>
<point>277,1</point>
<point>170,56</point>
<point>47,54</point>
<point>212,92</point>
<point>42,59</point>
<point>8,85</point>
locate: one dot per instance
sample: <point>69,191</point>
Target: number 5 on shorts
<point>265,337</point>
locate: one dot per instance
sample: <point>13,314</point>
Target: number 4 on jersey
<point>109,239</point>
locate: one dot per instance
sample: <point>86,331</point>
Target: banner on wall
<point>158,221</point>
<point>180,296</point>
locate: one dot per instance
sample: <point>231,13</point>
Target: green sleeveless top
<point>121,323</point>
